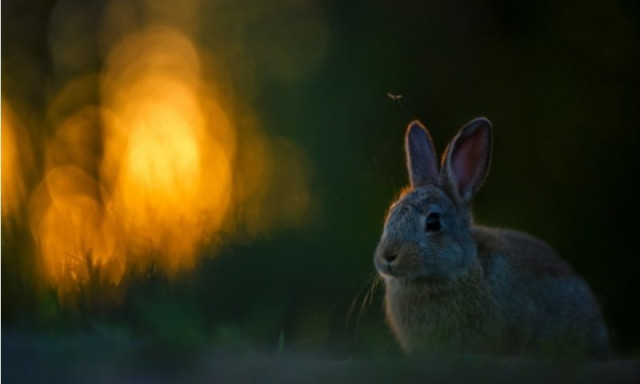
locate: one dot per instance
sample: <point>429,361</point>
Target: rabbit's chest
<point>445,321</point>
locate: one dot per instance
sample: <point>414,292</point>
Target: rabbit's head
<point>427,234</point>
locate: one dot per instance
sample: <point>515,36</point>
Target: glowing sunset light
<point>75,240</point>
<point>169,172</point>
<point>17,162</point>
<point>154,158</point>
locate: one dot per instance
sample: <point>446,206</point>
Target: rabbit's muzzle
<point>398,260</point>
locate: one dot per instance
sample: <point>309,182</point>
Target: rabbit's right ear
<point>421,155</point>
<point>466,161</point>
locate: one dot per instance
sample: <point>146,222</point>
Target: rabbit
<point>451,285</point>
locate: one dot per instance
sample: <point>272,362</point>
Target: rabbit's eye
<point>433,222</point>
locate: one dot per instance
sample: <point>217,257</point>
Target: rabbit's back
<point>545,304</point>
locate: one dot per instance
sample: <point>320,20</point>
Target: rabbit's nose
<point>390,257</point>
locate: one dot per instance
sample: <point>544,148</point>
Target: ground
<point>97,359</point>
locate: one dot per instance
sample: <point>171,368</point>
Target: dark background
<point>559,81</point>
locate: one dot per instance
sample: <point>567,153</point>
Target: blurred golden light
<point>17,161</point>
<point>169,163</point>
<point>155,156</point>
<point>76,140</point>
<point>78,245</point>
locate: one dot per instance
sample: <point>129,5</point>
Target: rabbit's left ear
<point>421,156</point>
<point>466,161</point>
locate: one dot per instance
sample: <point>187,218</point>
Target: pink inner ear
<point>469,158</point>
